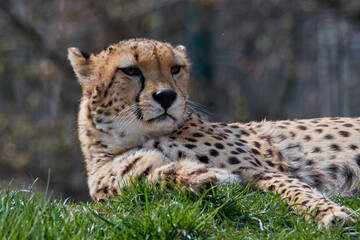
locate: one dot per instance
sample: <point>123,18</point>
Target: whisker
<point>126,122</point>
<point>197,109</point>
<point>131,119</point>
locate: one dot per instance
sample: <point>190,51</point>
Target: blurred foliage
<point>256,59</point>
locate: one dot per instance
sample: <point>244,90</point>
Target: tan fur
<point>123,134</point>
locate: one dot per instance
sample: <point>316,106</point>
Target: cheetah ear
<point>82,64</point>
<point>181,48</point>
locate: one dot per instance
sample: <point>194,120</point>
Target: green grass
<point>145,212</point>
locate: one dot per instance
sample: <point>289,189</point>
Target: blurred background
<point>252,59</point>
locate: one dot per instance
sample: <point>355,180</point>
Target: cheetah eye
<point>175,69</point>
<point>131,71</point>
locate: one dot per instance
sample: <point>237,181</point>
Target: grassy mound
<point>146,212</point>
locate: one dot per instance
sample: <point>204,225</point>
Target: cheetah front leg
<point>109,179</point>
<point>305,198</point>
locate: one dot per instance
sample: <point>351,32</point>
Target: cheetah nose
<point>165,97</point>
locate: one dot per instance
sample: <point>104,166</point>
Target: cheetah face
<point>134,85</point>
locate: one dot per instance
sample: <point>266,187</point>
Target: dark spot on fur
<point>255,151</point>
<point>344,133</point>
<point>213,152</point>
<point>181,155</point>
<point>244,133</point>
<point>335,147</point>
<point>267,178</point>
<point>254,164</point>
<point>222,165</point>
<point>198,135</point>
<point>146,172</point>
<point>191,139</point>
<point>305,202</point>
<point>257,144</point>
<point>207,143</point>
<point>353,146</point>
<point>233,160</point>
<point>270,163</point>
<point>348,125</point>
<point>316,150</point>
<point>217,137</point>
<point>329,136</point>
<point>301,127</point>
<point>129,166</point>
<point>190,146</point>
<point>270,152</point>
<point>240,150</point>
<point>203,158</point>
<point>156,144</point>
<point>318,130</point>
<point>282,137</point>
<point>219,146</point>
<point>307,138</point>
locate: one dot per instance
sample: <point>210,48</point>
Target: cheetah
<point>135,122</point>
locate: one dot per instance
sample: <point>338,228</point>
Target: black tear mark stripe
<point>137,99</point>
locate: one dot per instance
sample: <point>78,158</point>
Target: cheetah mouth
<point>161,118</point>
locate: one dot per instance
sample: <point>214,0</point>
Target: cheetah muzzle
<point>135,121</point>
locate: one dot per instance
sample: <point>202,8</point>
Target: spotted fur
<point>134,121</point>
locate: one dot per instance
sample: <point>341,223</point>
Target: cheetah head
<point>134,85</point>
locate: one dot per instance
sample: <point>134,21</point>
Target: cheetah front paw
<point>341,215</point>
<point>103,194</point>
<point>193,175</point>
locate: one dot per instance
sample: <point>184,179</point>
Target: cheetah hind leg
<point>195,176</point>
